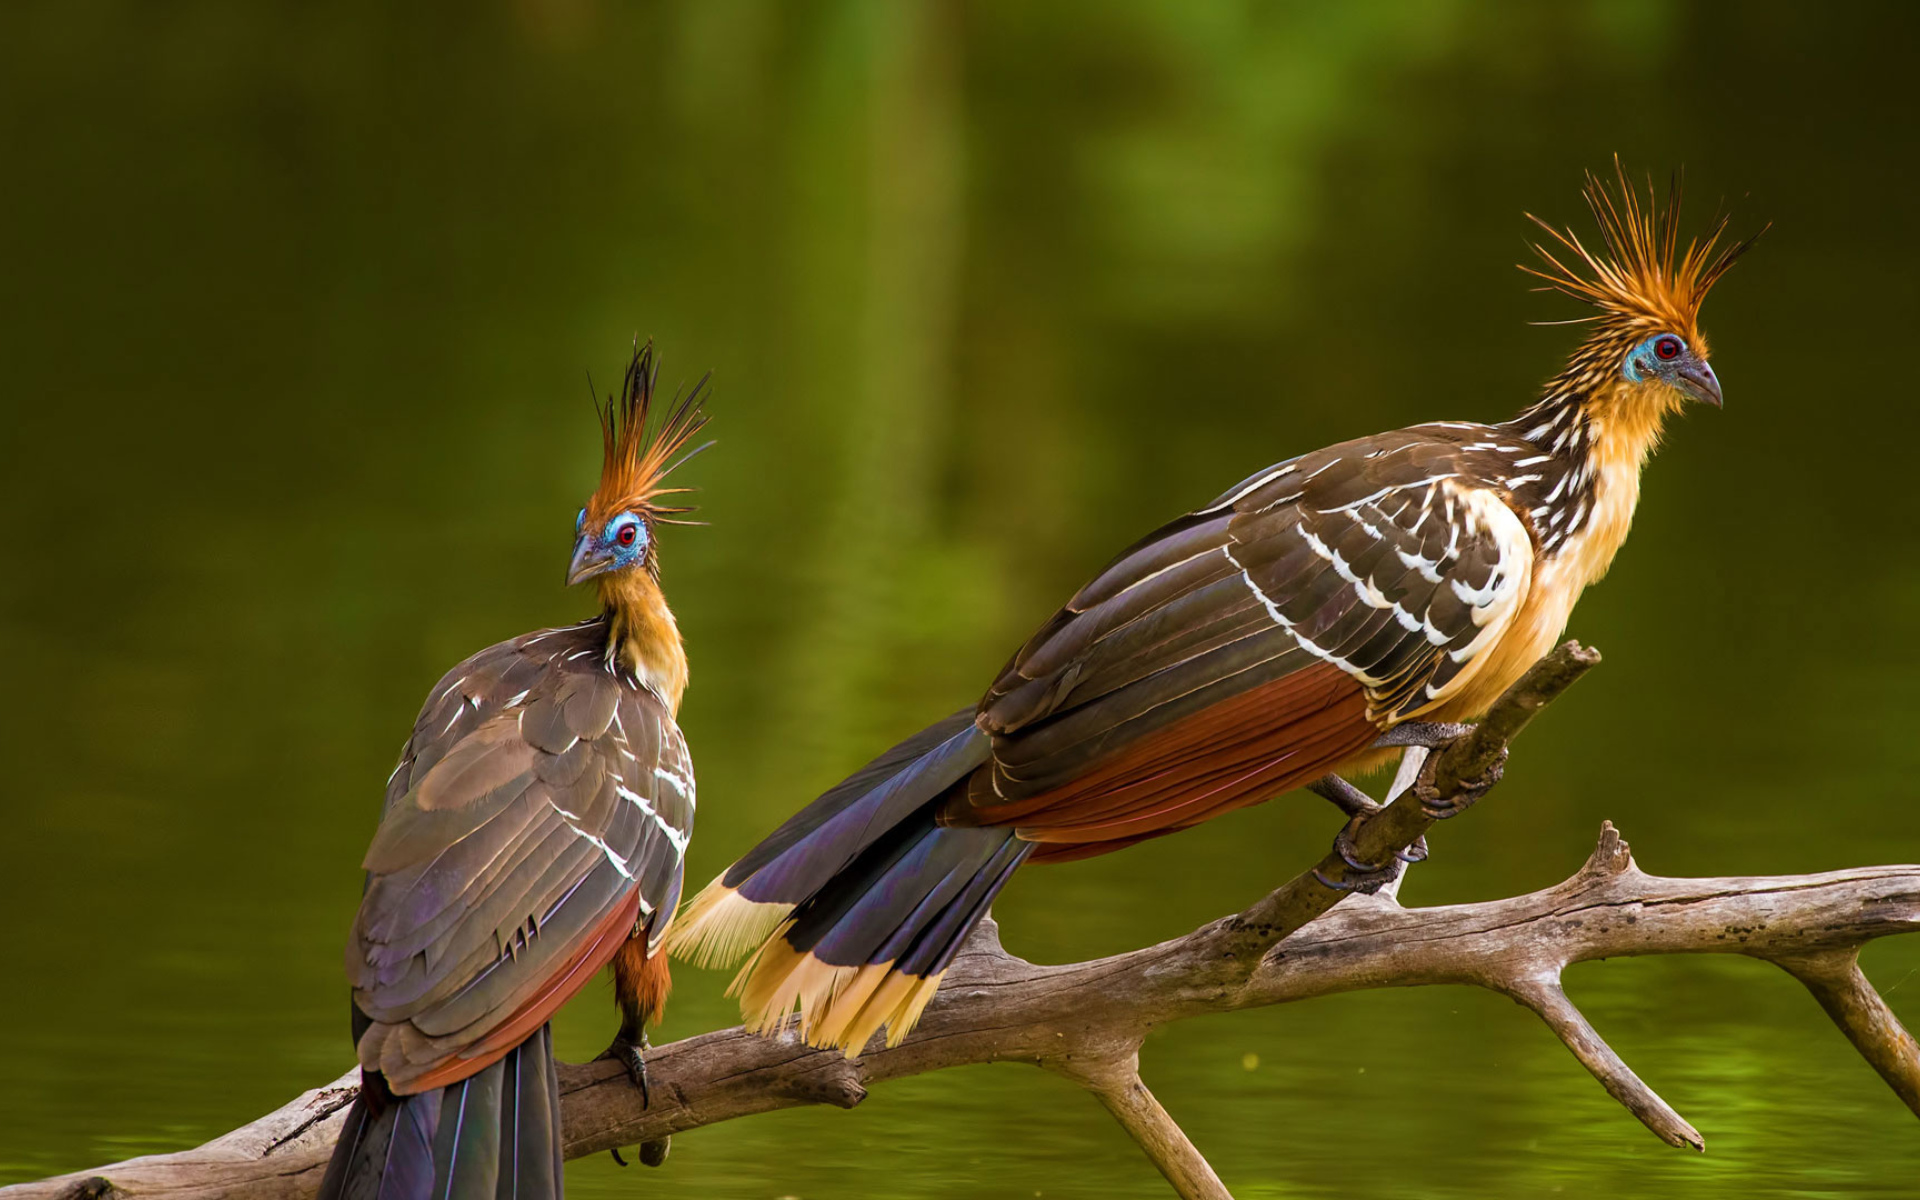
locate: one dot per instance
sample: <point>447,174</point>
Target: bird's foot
<point>1428,734</point>
<point>1469,792</point>
<point>1356,804</point>
<point>652,1154</point>
<point>1360,875</point>
<point>630,1052</point>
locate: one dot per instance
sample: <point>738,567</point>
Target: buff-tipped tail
<point>720,926</point>
<point>840,1006</point>
<point>851,910</point>
<point>869,951</point>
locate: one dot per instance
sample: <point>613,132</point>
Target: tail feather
<point>466,1148</point>
<point>885,901</point>
<point>870,948</point>
<point>720,925</point>
<point>531,1153</point>
<point>932,952</point>
<point>866,794</point>
<point>901,976</point>
<point>493,1136</point>
<point>750,901</point>
<point>407,1173</point>
<point>851,911</point>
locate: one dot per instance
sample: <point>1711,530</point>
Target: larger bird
<point>533,833</point>
<point>1264,642</point>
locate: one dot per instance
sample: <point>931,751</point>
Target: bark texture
<point>1086,1021</point>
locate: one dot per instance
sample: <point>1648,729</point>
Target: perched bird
<point>533,833</point>
<point>1288,633</point>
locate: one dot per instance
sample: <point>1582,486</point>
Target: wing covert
<point>530,813</point>
<point>1385,558</point>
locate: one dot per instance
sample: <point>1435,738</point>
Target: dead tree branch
<point>1086,1020</point>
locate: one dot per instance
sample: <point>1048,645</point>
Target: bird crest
<point>638,452</point>
<point>1644,279</point>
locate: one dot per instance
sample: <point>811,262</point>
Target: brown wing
<point>539,816</point>
<point>1250,646</point>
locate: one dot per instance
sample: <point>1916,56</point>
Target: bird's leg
<point>640,989</point>
<point>1430,734</point>
<point>629,1050</point>
<point>1425,736</point>
<point>1358,806</point>
<point>1349,799</point>
<point>1363,876</point>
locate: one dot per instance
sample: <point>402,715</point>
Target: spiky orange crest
<point>639,454</point>
<point>1645,281</point>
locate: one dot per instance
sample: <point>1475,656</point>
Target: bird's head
<point>1645,350</point>
<point>613,534</point>
<point>1669,361</point>
<point>621,544</point>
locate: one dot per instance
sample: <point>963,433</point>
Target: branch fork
<point>1307,938</point>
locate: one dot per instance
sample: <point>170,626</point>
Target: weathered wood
<point>1086,1020</point>
<point>1457,774</point>
<point>1116,1083</point>
<point>1836,981</point>
<point>998,1008</point>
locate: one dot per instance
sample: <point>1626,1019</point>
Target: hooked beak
<point>588,560</point>
<point>1698,381</point>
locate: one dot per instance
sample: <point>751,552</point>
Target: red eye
<point>627,534</point>
<point>1668,348</point>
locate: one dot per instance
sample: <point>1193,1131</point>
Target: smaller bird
<point>1290,633</point>
<point>533,833</point>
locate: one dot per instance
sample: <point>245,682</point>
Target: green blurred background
<point>297,310</point>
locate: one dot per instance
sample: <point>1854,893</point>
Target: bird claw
<point>652,1154</point>
<point>631,1054</point>
<point>1360,876</point>
<point>1466,797</point>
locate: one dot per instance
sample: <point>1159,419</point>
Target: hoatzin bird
<point>533,833</point>
<point>1267,641</point>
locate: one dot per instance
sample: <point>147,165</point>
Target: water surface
<point>297,314</point>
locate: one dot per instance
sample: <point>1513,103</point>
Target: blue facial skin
<point>1666,358</point>
<point>619,545</point>
<point>625,553</point>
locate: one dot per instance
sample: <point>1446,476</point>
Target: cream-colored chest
<point>1561,575</point>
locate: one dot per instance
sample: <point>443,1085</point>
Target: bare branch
<point>1466,766</point>
<point>1836,981</point>
<point>1549,1002</point>
<point>1116,1084</point>
<point>997,1008</point>
<point>1086,1020</point>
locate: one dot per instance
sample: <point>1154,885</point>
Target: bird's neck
<point>642,634</point>
<point>1600,433</point>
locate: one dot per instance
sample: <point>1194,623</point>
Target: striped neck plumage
<point>642,635</point>
<point>1600,429</point>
